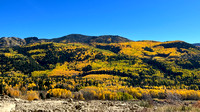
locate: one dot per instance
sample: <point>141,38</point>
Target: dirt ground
<point>8,104</point>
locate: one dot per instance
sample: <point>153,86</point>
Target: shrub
<point>135,93</point>
<point>125,96</point>
<point>194,87</point>
<point>48,95</point>
<point>89,93</point>
<point>43,95</point>
<point>173,97</point>
<point>61,93</point>
<point>32,95</point>
<point>13,92</point>
<point>78,96</point>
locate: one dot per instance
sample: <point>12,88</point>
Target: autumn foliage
<point>32,95</point>
<point>60,93</point>
<point>102,71</point>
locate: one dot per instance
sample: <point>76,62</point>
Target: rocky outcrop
<point>11,41</point>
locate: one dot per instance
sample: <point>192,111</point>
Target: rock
<point>135,105</point>
<point>65,102</point>
<point>70,100</point>
<point>11,41</point>
<point>78,107</point>
<point>81,102</point>
<point>57,110</point>
<point>110,104</point>
<point>7,107</point>
<point>155,108</point>
<point>144,110</point>
<point>6,97</point>
<point>121,104</point>
<point>40,111</point>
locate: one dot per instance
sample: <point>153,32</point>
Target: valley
<point>101,68</point>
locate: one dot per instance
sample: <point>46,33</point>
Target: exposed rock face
<point>11,41</point>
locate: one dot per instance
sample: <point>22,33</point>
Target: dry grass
<point>176,108</point>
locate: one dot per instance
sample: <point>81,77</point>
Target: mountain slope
<point>105,71</point>
<point>11,41</point>
<point>140,61</point>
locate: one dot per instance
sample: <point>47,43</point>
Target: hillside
<point>132,59</point>
<point>101,67</point>
<point>11,41</point>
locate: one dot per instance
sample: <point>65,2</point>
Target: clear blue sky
<point>160,20</point>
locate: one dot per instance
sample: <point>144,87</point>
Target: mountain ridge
<point>71,38</point>
<point>196,44</point>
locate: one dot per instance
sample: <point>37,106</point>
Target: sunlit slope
<point>47,55</point>
<point>166,60</point>
<point>147,62</point>
<point>149,49</point>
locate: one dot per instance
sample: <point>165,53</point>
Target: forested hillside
<point>102,69</point>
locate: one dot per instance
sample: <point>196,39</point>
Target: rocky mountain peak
<point>11,41</point>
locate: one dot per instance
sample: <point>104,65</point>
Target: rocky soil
<point>8,104</point>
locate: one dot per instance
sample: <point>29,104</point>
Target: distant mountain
<point>72,38</point>
<point>31,40</point>
<point>90,39</point>
<point>197,44</point>
<point>11,41</point>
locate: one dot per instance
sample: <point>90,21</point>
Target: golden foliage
<point>31,85</point>
<point>61,93</point>
<point>13,92</point>
<point>112,93</point>
<point>32,95</point>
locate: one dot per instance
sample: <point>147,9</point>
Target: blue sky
<point>161,20</point>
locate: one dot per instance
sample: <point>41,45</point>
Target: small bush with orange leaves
<point>32,95</point>
<point>13,92</point>
<point>60,93</point>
